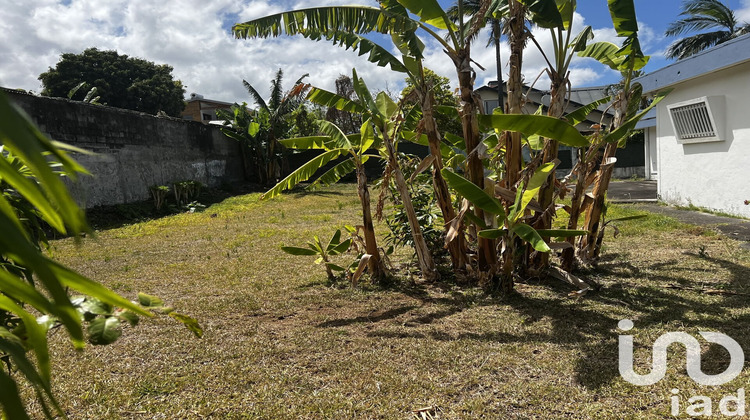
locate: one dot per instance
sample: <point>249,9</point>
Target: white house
<point>700,138</point>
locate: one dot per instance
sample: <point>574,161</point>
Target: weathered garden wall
<point>133,150</point>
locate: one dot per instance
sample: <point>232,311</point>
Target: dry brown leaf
<point>360,268</point>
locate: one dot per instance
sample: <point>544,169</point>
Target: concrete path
<point>632,191</point>
<point>732,227</point>
<point>644,195</point>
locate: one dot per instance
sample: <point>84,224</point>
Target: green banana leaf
<point>303,173</point>
<point>474,194</point>
<point>541,125</point>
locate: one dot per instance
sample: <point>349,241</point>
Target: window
<point>490,105</point>
<point>207,117</point>
<point>695,121</point>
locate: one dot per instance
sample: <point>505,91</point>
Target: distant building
<point>630,160</point>
<point>699,136</point>
<point>197,108</point>
<point>536,98</point>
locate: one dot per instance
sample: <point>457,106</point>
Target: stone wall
<point>133,150</point>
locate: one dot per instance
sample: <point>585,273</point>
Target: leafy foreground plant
<point>30,282</point>
<point>334,247</point>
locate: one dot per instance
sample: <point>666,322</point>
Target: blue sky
<point>192,36</point>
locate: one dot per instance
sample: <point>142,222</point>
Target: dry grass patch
<point>280,342</point>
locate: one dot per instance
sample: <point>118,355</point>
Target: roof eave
<point>723,56</point>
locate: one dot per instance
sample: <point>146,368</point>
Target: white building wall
<point>713,175</point>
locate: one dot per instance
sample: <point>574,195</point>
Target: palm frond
<point>303,173</point>
<point>257,97</point>
<point>692,23</point>
<point>353,19</point>
<point>277,91</point>
<point>703,14</point>
<point>691,45</point>
<point>376,54</point>
<point>714,9</point>
<point>334,174</point>
<point>332,100</point>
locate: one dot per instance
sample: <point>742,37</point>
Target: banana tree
<point>513,222</point>
<point>512,225</point>
<point>626,59</point>
<point>557,17</point>
<point>344,25</point>
<point>334,143</point>
<point>518,36</point>
<point>324,253</point>
<point>388,119</point>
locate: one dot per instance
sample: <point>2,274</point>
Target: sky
<point>193,36</point>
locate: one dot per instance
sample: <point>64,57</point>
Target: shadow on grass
<point>375,316</point>
<point>302,192</point>
<point>115,216</point>
<point>592,327</point>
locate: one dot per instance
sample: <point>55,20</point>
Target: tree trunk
<point>569,254</point>
<point>498,64</point>
<point>589,250</point>
<point>426,263</point>
<point>377,268</point>
<point>513,157</point>
<point>468,109</point>
<point>457,248</point>
<point>551,149</point>
<point>513,146</point>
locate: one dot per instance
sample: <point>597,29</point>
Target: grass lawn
<point>282,343</point>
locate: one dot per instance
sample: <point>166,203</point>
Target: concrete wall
<point>133,150</point>
<point>712,175</point>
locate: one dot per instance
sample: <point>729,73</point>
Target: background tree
<point>470,8</point>
<point>699,15</point>
<point>348,121</point>
<point>275,122</point>
<point>444,96</point>
<point>121,81</point>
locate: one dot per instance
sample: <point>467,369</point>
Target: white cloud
<point>743,13</point>
<point>192,36</point>
<point>189,35</point>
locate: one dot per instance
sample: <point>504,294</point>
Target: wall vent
<point>698,120</point>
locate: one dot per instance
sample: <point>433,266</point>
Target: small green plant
<point>315,247</point>
<point>195,207</point>
<point>186,191</point>
<point>702,251</point>
<point>89,98</point>
<point>159,194</point>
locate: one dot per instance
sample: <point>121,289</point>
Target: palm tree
<point>698,15</point>
<point>274,124</point>
<point>470,8</point>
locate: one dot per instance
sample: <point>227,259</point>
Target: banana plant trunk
<point>457,248</point>
<point>569,254</point>
<point>498,62</point>
<point>424,257</point>
<point>549,154</point>
<point>513,145</point>
<point>468,109</point>
<point>375,265</point>
<point>589,250</point>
